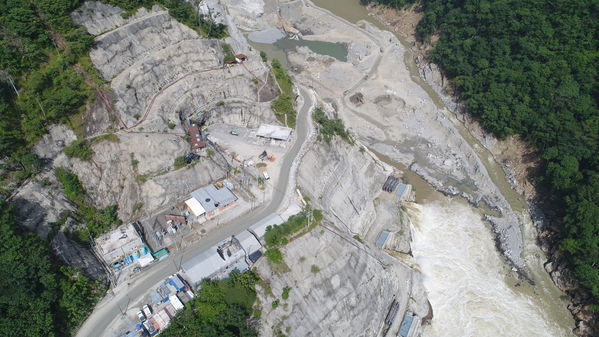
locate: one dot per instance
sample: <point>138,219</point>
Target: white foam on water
<point>464,276</point>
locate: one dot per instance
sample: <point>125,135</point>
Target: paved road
<point>109,310</point>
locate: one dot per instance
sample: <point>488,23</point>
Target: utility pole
<point>12,82</point>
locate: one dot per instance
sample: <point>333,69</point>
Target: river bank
<point>381,96</point>
<point>520,163</point>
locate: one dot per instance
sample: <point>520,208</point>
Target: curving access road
<point>109,310</point>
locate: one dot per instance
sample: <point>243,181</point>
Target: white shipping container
<point>175,302</point>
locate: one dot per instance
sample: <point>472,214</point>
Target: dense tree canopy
<point>39,297</point>
<point>531,68</point>
<point>222,308</point>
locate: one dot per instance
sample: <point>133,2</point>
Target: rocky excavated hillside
<point>341,284</point>
<point>158,73</point>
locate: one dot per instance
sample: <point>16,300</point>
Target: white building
<point>274,132</point>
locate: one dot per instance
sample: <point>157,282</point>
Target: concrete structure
<point>274,132</point>
<point>211,199</point>
<point>123,246</point>
<point>248,242</point>
<point>232,254</point>
<point>203,266</point>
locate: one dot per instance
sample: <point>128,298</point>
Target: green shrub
<point>275,303</point>
<point>274,255</point>
<point>280,235</point>
<point>283,79</point>
<point>79,149</point>
<point>180,162</point>
<point>73,189</point>
<point>285,294</point>
<point>282,106</point>
<point>263,56</point>
<point>314,269</point>
<point>329,128</point>
<point>221,308</point>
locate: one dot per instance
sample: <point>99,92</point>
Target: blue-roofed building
<point>409,326</point>
<point>380,242</point>
<point>403,191</point>
<point>176,282</point>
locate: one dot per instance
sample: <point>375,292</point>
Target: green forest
<point>221,308</point>
<point>531,68</point>
<point>39,297</point>
<point>46,77</point>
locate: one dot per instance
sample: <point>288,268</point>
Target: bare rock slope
<point>340,285</point>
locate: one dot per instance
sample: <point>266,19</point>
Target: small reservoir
<point>280,48</point>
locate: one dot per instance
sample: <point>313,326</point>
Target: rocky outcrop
<point>558,268</point>
<point>98,17</point>
<point>349,295</point>
<point>341,285</point>
<point>344,181</point>
<point>40,202</point>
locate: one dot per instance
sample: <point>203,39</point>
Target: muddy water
<point>472,291</point>
<point>278,50</point>
<point>464,281</point>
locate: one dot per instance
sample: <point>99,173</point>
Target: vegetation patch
<point>294,227</point>
<point>274,255</point>
<point>283,105</point>
<point>282,77</point>
<point>98,221</point>
<point>40,297</point>
<point>285,294</point>
<point>109,137</point>
<point>329,128</point>
<point>79,148</point>
<point>315,269</point>
<point>229,56</point>
<point>179,162</point>
<point>221,308</point>
<point>73,189</point>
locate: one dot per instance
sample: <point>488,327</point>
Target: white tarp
<point>175,302</point>
<point>195,207</point>
<point>146,260</point>
<point>274,132</point>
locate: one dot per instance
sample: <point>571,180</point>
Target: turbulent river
<point>463,274</point>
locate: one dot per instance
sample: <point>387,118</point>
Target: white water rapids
<point>464,277</point>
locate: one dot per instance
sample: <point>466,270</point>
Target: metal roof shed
<point>248,242</point>
<point>211,197</point>
<point>195,207</point>
<point>274,132</point>
<point>380,242</point>
<point>203,266</point>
